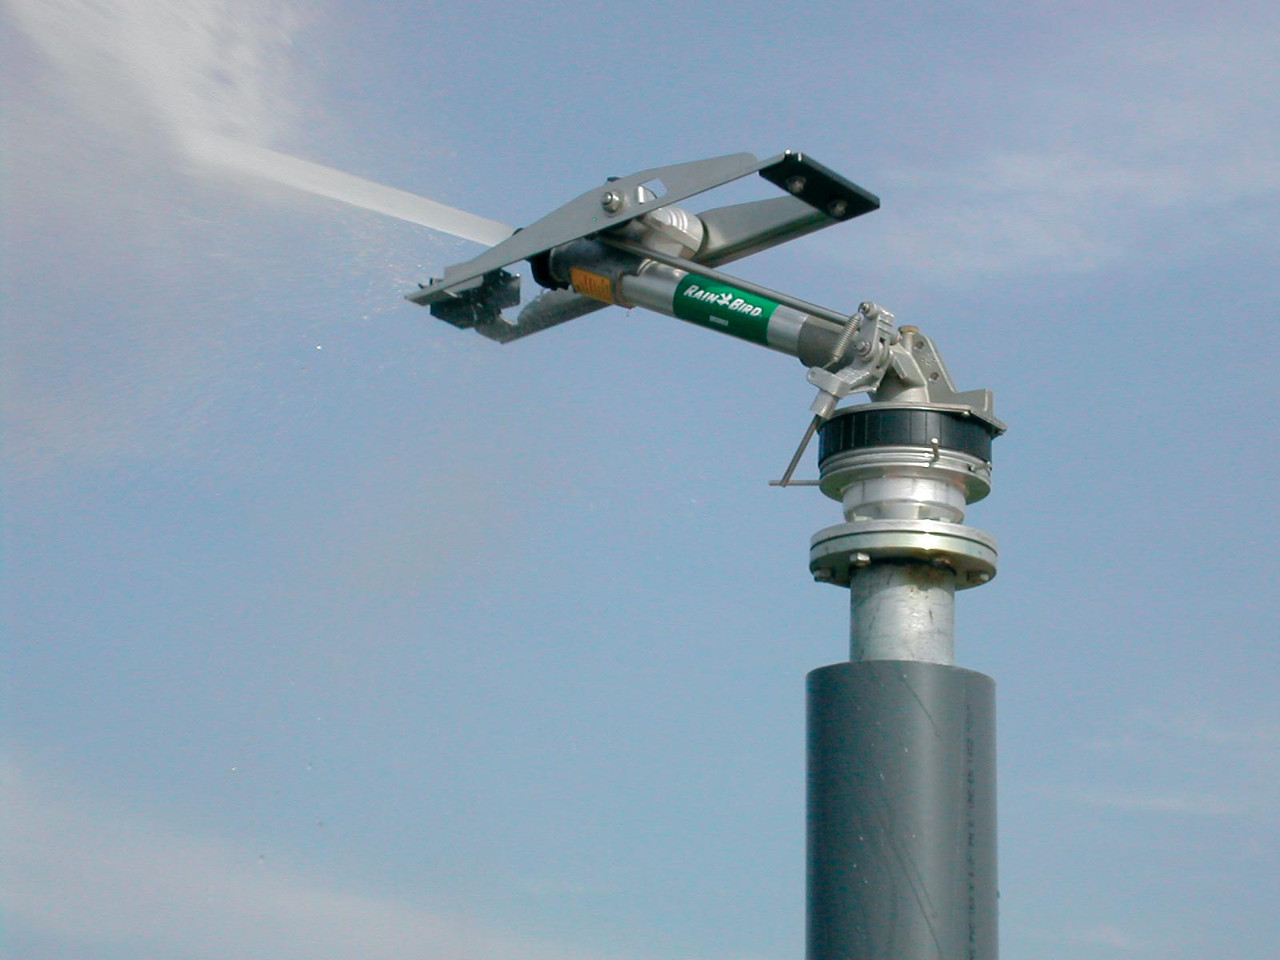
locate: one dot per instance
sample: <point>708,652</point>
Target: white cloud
<point>86,870</point>
<point>1257,741</point>
<point>1113,937</point>
<point>1145,144</point>
<point>1240,758</point>
<point>1189,804</point>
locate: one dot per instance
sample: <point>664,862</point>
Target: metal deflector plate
<point>821,188</point>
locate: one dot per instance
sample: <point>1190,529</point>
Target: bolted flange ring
<point>836,551</point>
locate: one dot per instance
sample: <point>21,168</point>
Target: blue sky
<point>333,631</point>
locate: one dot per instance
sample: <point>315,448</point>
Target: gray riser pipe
<point>901,813</point>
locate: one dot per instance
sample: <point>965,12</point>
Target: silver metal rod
<point>903,611</point>
<point>795,458</point>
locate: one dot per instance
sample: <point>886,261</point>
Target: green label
<point>724,308</point>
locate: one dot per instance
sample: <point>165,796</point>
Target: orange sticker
<point>592,285</point>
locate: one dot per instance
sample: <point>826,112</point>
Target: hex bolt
<point>860,559</point>
<point>838,208</point>
<point>611,201</point>
<point>824,575</point>
<point>795,184</point>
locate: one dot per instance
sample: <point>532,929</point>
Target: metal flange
<point>835,552</point>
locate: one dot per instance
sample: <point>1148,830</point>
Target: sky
<point>331,630</point>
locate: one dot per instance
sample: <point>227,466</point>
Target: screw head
<point>795,184</point>
<point>824,575</point>
<point>838,208</point>
<point>860,559</point>
<point>611,201</point>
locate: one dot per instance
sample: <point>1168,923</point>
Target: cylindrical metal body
<point>728,309</point>
<point>901,813</point>
<point>603,273</point>
<point>903,611</point>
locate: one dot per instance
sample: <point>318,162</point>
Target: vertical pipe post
<point>901,812</point>
<point>901,743</point>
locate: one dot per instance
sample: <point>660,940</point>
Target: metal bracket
<point>917,374</point>
<point>818,198</point>
<point>590,213</point>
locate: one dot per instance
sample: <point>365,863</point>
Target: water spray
<point>901,755</point>
<point>236,156</point>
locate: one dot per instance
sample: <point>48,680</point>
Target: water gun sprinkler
<point>901,757</point>
<point>627,243</point>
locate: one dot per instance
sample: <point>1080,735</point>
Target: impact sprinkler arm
<point>625,244</point>
<point>473,294</point>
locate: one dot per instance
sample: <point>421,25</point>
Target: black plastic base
<point>859,427</point>
<point>902,813</point>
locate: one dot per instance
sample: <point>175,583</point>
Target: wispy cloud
<point>1147,143</point>
<point>1240,759</point>
<point>1134,800</point>
<point>1256,741</point>
<point>87,871</point>
<point>1113,937</point>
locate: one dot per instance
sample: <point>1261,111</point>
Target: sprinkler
<point>901,752</point>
